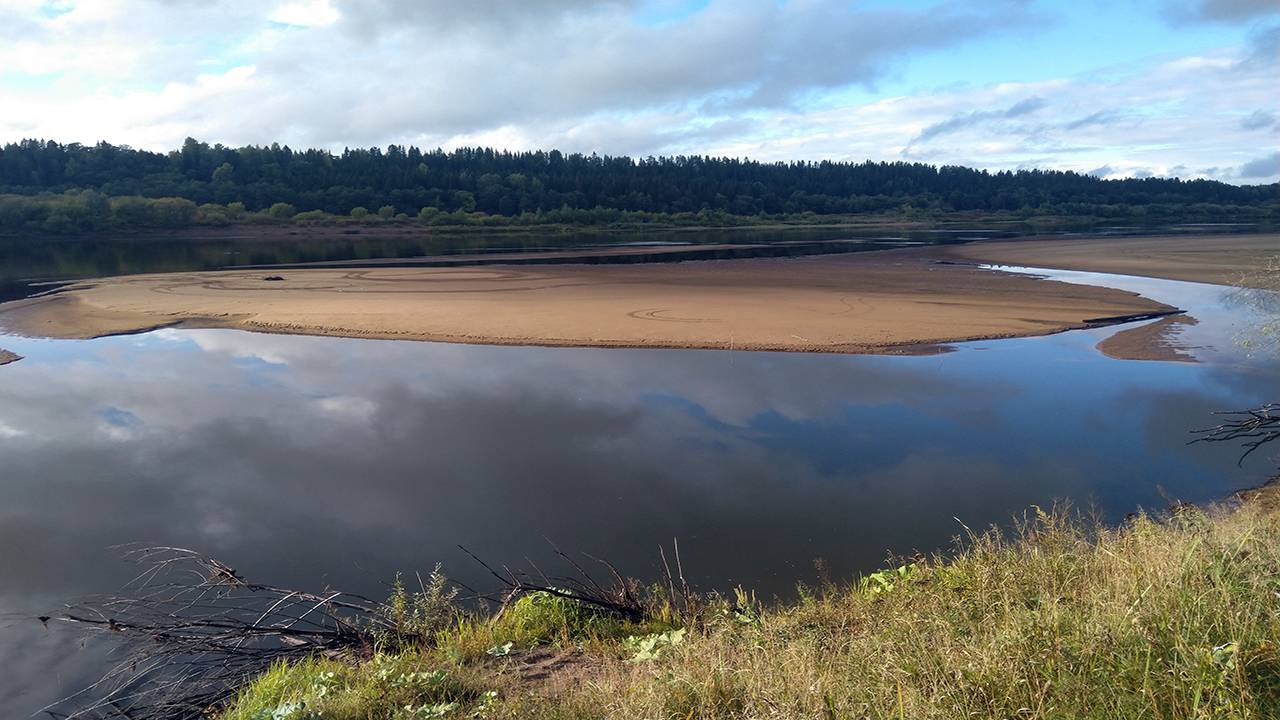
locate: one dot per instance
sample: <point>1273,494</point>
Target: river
<point>329,462</point>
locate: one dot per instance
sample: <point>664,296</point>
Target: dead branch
<point>619,599</point>
<point>194,631</point>
<point>1251,428</point>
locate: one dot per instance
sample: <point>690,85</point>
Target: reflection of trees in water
<point>1259,292</point>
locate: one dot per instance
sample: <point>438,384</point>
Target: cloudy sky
<point>1114,87</point>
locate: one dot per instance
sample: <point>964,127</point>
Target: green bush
<point>214,214</point>
<point>311,216</point>
<point>282,211</point>
<point>172,212</point>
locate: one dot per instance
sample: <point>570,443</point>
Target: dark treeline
<point>68,188</point>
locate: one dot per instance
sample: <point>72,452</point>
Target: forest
<point>48,187</point>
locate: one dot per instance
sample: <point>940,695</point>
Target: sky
<point>1117,88</point>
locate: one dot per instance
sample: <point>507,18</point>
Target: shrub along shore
<point>1168,617</point>
<point>88,212</point>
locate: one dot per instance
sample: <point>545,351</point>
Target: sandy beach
<point>886,301</point>
<point>892,301</point>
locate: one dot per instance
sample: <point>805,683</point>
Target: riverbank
<point>1168,617</point>
<point>264,228</point>
<point>1216,259</point>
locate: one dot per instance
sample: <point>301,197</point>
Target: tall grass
<point>1165,618</point>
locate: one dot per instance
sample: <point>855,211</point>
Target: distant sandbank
<point>891,301</point>
<point>1216,259</point>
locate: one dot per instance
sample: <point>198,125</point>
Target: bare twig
<point>618,599</point>
<point>1251,428</point>
<point>195,631</point>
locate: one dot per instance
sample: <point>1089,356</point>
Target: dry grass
<point>1169,618</point>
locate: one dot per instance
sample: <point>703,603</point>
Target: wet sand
<point>1152,341</point>
<point>7,357</point>
<point>1217,259</point>
<point>891,301</point>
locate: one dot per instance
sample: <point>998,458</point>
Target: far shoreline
<point>343,228</point>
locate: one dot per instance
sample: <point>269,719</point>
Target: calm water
<point>26,263</point>
<point>324,461</point>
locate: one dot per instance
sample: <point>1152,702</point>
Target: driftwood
<point>194,631</point>
<point>1251,428</point>
<point>1122,319</point>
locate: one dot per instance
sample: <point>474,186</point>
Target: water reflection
<point>26,265</point>
<point>314,461</point>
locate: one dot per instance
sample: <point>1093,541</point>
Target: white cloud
<point>347,407</point>
<point>8,432</point>
<point>391,70</point>
<point>271,349</point>
<point>306,13</point>
<point>755,77</point>
<point>1146,120</point>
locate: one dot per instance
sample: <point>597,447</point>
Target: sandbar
<point>7,357</point>
<point>1157,340</point>
<point>890,301</point>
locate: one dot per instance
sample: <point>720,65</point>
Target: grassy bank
<point>1172,617</point>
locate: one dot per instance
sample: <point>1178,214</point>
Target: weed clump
<point>1174,617</point>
